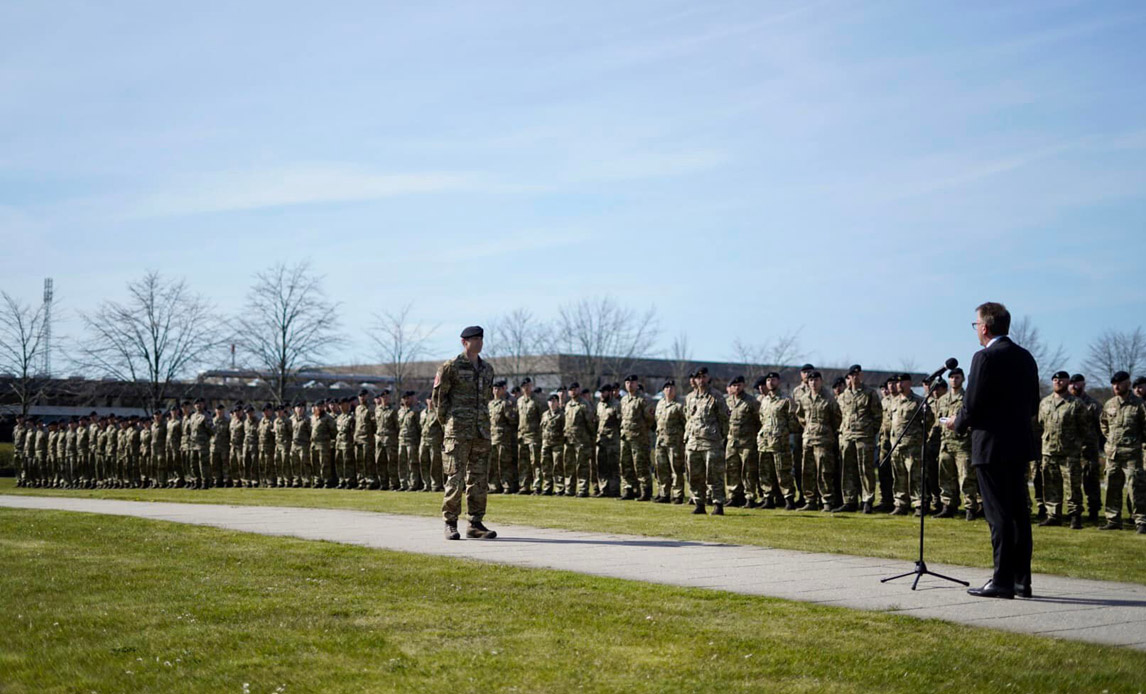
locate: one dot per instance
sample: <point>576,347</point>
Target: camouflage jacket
<point>902,408</point>
<point>862,413</point>
<point>553,428</point>
<point>529,419</point>
<point>283,433</point>
<point>580,423</point>
<point>609,421</point>
<point>502,421</point>
<point>949,406</point>
<point>1123,423</point>
<point>409,429</point>
<point>300,431</point>
<point>322,430</point>
<point>820,419</point>
<point>344,430</point>
<point>364,425</point>
<point>462,391</point>
<point>386,425</point>
<point>637,418</point>
<point>199,427</point>
<point>743,419</point>
<point>431,427</point>
<point>1063,424</point>
<point>707,424</point>
<point>222,440</point>
<point>671,423</point>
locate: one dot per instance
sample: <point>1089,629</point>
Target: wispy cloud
<point>227,191</point>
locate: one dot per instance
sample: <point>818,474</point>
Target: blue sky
<point>863,172</point>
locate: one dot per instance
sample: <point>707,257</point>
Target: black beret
<point>1061,375</point>
<point>840,381</point>
<point>939,383</point>
<point>668,383</point>
<point>516,390</point>
<point>555,396</point>
<point>905,377</point>
<point>738,379</point>
<point>759,382</point>
<point>93,414</point>
<point>500,383</point>
<point>605,387</point>
<point>268,406</point>
<point>525,380</point>
<point>220,406</point>
<point>158,412</point>
<point>472,331</point>
<point>363,392</point>
<point>1140,381</point>
<point>807,367</point>
<point>409,394</point>
<point>199,400</point>
<point>702,371</point>
<point>632,377</point>
<point>250,408</point>
<point>772,374</point>
<point>854,369</point>
<point>1119,377</point>
<point>956,370</point>
<point>574,386</point>
<point>1078,378</point>
<point>562,387</point>
<point>385,391</point>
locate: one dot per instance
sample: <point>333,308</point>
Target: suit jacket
<point>1001,400</point>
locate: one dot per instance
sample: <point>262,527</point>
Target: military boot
<point>948,511</point>
<point>1076,522</point>
<point>477,531</point>
<point>849,507</point>
<point>699,510</point>
<point>452,531</point>
<point>718,509</point>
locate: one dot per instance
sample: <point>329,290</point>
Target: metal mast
<point>46,337</point>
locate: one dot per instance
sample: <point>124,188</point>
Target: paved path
<point>1069,608</point>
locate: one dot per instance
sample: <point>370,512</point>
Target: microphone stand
<point>920,566</point>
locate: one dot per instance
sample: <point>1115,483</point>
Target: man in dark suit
<point>1001,400</point>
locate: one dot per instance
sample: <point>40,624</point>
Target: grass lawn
<point>106,604</point>
<point>1087,553</point>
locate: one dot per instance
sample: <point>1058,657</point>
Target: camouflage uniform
<point>606,473</point>
<point>1091,445</point>
<point>187,471</point>
<point>300,450</point>
<point>221,450</point>
<point>671,466</point>
<point>955,457</point>
<point>283,438</point>
<point>266,434</point>
<point>386,446</point>
<point>502,429</point>
<point>529,443</point>
<point>251,449</point>
<point>906,460</point>
<point>552,445</point>
<point>1063,421</point>
<point>409,430</point>
<point>861,417</point>
<point>83,453</point>
<point>740,454</point>
<point>777,422</point>
<point>323,431</point>
<point>1123,422</point>
<point>70,454</point>
<point>462,391</point>
<point>145,466</point>
<point>637,420</point>
<point>819,417</point>
<point>580,432</point>
<point>235,467</point>
<point>365,429</point>
<point>174,448</point>
<point>344,450</point>
<point>430,450</point>
<point>199,447</point>
<point>19,440</point>
<point>706,429</point>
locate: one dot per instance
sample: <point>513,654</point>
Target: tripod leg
<point>892,578</point>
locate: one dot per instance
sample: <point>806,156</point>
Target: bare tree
<point>21,340</point>
<point>784,349</point>
<point>287,323</point>
<point>779,352</point>
<point>680,357</point>
<point>1114,351</point>
<point>1024,333</point>
<point>399,341</point>
<point>751,356</point>
<point>516,336</point>
<point>160,333</point>
<point>909,364</point>
<point>608,337</point>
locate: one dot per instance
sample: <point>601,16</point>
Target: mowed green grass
<point>1087,553</point>
<point>108,604</point>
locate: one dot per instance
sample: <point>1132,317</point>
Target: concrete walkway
<point>1068,608</point>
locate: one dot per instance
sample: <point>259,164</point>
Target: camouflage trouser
<point>857,458</point>
<point>1117,463</point>
<point>1092,479</point>
<point>300,458</point>
<point>1036,476</point>
<point>251,462</point>
<point>776,473</point>
<point>465,465</point>
<point>957,478</point>
<point>933,491</point>
<point>605,469</point>
<point>672,469</point>
<point>174,469</point>
<point>386,453</point>
<point>706,474</point>
<point>742,469</point>
<point>220,469</point>
<point>344,463</point>
<point>529,466</point>
<point>199,462</point>
<point>502,476</point>
<point>884,472</point>
<point>819,474</point>
<point>576,463</point>
<point>549,469</point>
<point>408,466</point>
<point>1056,470</point>
<point>430,460</point>
<point>267,470</point>
<point>186,468</point>
<point>322,460</point>
<point>236,469</point>
<point>283,465</point>
<point>634,464</point>
<point>798,463</point>
<point>367,461</point>
<point>905,469</point>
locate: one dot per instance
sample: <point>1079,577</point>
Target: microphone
<point>947,366</point>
